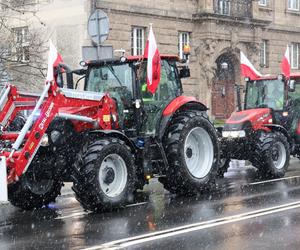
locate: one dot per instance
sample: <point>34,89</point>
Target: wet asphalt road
<point>241,213</point>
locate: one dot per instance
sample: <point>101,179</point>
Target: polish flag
<point>153,63</point>
<point>247,68</point>
<point>285,64</point>
<point>53,60</point>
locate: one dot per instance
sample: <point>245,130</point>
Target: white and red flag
<point>247,68</point>
<point>54,58</point>
<point>153,63</point>
<point>285,64</point>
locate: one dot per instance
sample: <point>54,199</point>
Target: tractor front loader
<point>110,139</point>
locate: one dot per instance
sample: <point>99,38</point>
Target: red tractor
<point>267,131</point>
<point>109,139</point>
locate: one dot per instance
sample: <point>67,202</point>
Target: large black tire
<point>271,155</point>
<point>37,187</point>
<point>223,167</point>
<point>183,129</point>
<point>17,124</point>
<point>95,181</point>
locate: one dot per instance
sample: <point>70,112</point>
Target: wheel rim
<point>113,175</point>
<point>279,155</point>
<point>199,152</point>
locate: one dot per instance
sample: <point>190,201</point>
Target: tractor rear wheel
<point>271,155</point>
<point>36,187</point>
<point>105,175</point>
<point>192,150</point>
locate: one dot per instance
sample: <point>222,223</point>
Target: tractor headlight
<point>45,141</point>
<point>234,134</point>
<point>226,134</point>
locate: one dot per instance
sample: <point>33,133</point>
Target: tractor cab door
<point>117,80</point>
<point>154,104</point>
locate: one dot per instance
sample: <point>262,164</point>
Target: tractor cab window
<point>295,95</point>
<point>110,78</point>
<point>117,80</point>
<point>168,87</point>
<point>167,90</point>
<point>265,94</point>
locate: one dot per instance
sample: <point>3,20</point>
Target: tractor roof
<point>116,60</point>
<point>273,77</point>
<point>295,75</point>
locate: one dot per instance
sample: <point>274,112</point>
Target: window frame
<point>264,54</point>
<point>294,65</point>
<point>182,41</point>
<point>224,5</point>
<point>291,5</point>
<point>22,54</point>
<point>263,3</point>
<point>137,43</point>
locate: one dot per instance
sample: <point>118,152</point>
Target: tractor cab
<point>280,95</point>
<point>265,93</point>
<point>125,80</point>
<point>269,94</point>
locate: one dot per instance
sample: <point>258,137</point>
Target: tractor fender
<point>279,128</point>
<point>114,133</point>
<point>182,101</point>
<point>178,104</point>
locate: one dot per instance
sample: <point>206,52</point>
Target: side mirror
<point>292,87</point>
<point>185,72</point>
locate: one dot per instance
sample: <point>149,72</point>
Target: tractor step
<point>3,181</point>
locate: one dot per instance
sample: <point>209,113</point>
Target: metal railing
<point>234,8</point>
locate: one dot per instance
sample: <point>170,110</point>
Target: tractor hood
<point>251,118</point>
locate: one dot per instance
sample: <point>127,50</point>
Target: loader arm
<point>54,102</point>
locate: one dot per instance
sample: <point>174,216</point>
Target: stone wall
<point>211,35</point>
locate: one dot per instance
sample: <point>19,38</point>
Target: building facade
<point>216,30</point>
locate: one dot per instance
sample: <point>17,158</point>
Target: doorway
<point>223,89</point>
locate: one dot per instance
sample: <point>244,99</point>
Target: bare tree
<point>22,48</point>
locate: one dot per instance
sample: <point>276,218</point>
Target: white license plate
<point>3,181</point>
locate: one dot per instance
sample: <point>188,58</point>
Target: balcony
<point>233,8</point>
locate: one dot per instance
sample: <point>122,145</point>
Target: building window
<point>137,41</point>
<point>263,2</point>
<point>21,44</point>
<point>184,39</point>
<point>293,4</point>
<point>295,56</point>
<point>224,7</point>
<point>264,62</point>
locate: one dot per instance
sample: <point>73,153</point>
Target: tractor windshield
<point>115,79</point>
<point>265,94</point>
<point>110,78</point>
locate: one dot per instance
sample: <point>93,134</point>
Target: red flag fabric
<point>54,58</point>
<point>285,64</point>
<point>247,68</point>
<point>153,63</point>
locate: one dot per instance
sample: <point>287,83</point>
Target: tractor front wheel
<point>271,155</point>
<point>105,175</point>
<point>37,187</point>
<point>192,150</point>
